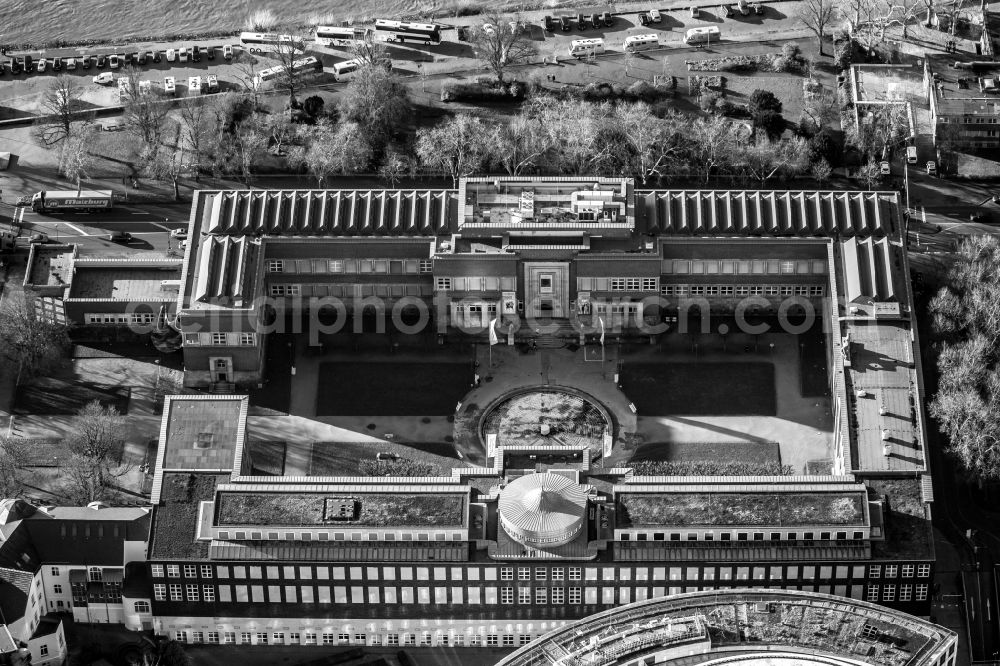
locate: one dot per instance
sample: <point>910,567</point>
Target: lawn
<point>777,509</point>
<point>344,458</point>
<point>391,389</point>
<point>50,396</point>
<point>359,509</point>
<point>700,389</point>
<point>721,452</point>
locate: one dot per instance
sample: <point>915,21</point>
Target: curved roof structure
<point>746,628</point>
<point>543,510</point>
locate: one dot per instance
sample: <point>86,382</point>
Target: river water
<point>45,21</point>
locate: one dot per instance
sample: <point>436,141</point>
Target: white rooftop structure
<point>544,510</point>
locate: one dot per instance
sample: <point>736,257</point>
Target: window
<point>541,595</point>
<point>55,571</point>
<point>344,639</point>
<point>506,573</point>
<point>873,593</point>
<point>57,589</point>
<point>443,284</point>
<point>229,637</point>
<point>140,606</point>
<point>245,637</point>
<point>192,593</point>
<point>180,636</point>
<point>508,640</point>
<point>43,650</point>
<point>890,570</point>
<point>197,637</point>
<point>541,573</point>
<point>155,569</point>
<point>95,574</point>
<point>558,573</point>
<point>246,339</point>
<point>507,595</point>
<point>328,639</point>
<point>286,289</point>
<point>310,638</point>
<point>218,338</point>
<point>922,592</point>
<point>649,284</point>
<point>261,638</point>
<point>575,596</point>
<point>159,592</point>
<point>617,284</point>
<point>524,596</point>
<point>426,265</point>
<point>275,266</point>
<point>279,638</point>
<point>889,593</point>
<point>923,570</point>
<point>491,640</point>
<point>875,571</point>
<point>176,593</point>
<point>360,639</point>
<point>907,571</point>
<point>905,592</point>
<point>208,591</point>
<point>524,573</point>
<point>574,573</point>
<point>190,571</point>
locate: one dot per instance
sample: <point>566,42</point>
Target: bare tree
<point>712,144</point>
<point>520,144</point>
<point>501,42</point>
<point>29,338</point>
<point>145,113</point>
<point>394,166</point>
<point>377,101</point>
<point>573,128</point>
<point>765,158</point>
<point>292,78</point>
<point>168,163</point>
<point>199,126</point>
<point>654,142</point>
<point>818,16</point>
<point>13,461</point>
<point>870,173</point>
<point>340,149</point>
<point>371,52</point>
<point>75,159</point>
<point>248,145</point>
<point>881,126</point>
<point>457,146</point>
<point>96,450</point>
<point>61,108</point>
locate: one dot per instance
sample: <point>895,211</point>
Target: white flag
<point>493,332</point>
<point>600,320</point>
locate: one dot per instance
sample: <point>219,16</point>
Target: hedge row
<point>482,91</point>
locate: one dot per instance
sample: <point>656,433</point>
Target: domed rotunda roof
<point>543,510</point>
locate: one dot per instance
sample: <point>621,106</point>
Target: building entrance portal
<point>546,289</point>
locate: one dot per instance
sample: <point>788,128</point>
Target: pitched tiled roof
<point>330,212</point>
<point>52,541</point>
<point>14,589</point>
<point>790,213</point>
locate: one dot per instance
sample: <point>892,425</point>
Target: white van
<point>581,48</point>
<point>708,33</point>
<point>194,85</point>
<point>911,154</point>
<point>345,71</point>
<point>171,55</point>
<point>635,43</point>
<point>169,85</point>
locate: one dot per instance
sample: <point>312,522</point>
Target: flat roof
<point>51,266</point>
<point>958,89</point>
<point>124,283</point>
<point>201,433</point>
<point>888,83</point>
<point>882,365</point>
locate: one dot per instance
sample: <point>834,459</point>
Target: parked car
<point>212,83</point>
<point>120,237</point>
<point>385,455</point>
<point>104,79</point>
<point>16,67</point>
<point>102,61</point>
<point>182,55</point>
<point>29,64</point>
<point>227,51</point>
<point>85,62</point>
<point>141,59</point>
<point>179,234</point>
<point>730,11</point>
<point>884,168</point>
<point>489,29</point>
<point>196,53</point>
<point>608,19</point>
<point>42,63</point>
<point>115,61</point>
<point>548,23</point>
<point>57,64</point>
<point>565,23</point>
<point>112,125</point>
<point>182,245</point>
<point>744,7</point>
<point>695,12</point>
<point>210,52</point>
<point>581,22</point>
<point>758,8</point>
<point>39,237</point>
<point>932,168</point>
<point>595,20</point>
<point>71,64</point>
<point>171,55</point>
<point>169,85</point>
<point>644,18</point>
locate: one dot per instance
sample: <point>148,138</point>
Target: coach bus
<point>707,34</point>
<point>401,31</point>
<point>256,42</point>
<point>309,63</point>
<point>328,35</point>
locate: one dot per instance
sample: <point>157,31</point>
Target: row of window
<point>526,573</point>
<point>743,290</point>
<point>343,536</point>
<point>473,596</point>
<point>618,284</point>
<point>119,318</point>
<point>969,120</point>
<point>743,266</point>
<point>221,339</point>
<point>888,592</point>
<point>635,535</point>
<point>425,638</point>
<point>350,290</point>
<point>383,266</point>
<point>474,283</point>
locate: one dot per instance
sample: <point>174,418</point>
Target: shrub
<point>397,467</point>
<point>483,91</point>
<point>724,107</point>
<point>763,100</point>
<point>843,53</point>
<point>708,100</point>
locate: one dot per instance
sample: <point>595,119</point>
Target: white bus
<point>581,48</point>
<point>194,85</point>
<point>328,35</point>
<point>708,34</point>
<point>635,43</point>
<point>402,31</point>
<point>273,73</point>
<point>345,71</point>
<point>256,42</point>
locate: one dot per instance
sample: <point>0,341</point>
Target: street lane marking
<point>75,228</point>
<point>157,224</point>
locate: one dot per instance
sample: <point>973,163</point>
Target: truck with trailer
<point>77,201</point>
